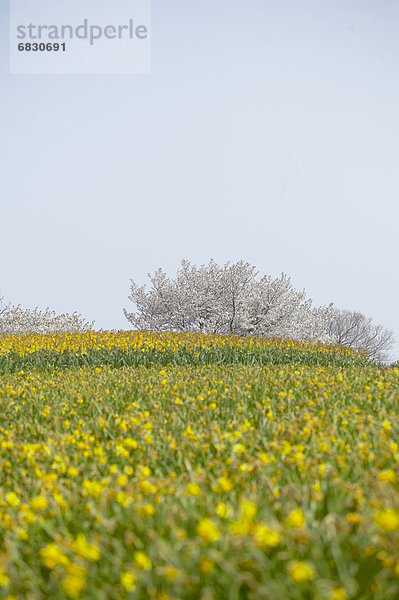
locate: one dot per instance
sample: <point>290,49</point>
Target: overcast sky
<point>267,131</point>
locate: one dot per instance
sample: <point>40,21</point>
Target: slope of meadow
<point>205,468</point>
<point>121,349</point>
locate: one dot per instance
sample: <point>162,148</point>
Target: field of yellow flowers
<point>176,467</point>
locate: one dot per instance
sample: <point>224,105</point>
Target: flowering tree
<point>355,330</point>
<point>15,320</point>
<point>228,299</point>
<point>232,299</point>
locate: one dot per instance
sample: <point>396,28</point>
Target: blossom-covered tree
<point>16,320</point>
<point>228,299</point>
<point>232,299</point>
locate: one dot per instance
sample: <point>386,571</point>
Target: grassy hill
<point>206,467</point>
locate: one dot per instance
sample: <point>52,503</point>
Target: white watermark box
<point>80,36</point>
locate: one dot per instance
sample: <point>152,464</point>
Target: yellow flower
<point>82,548</point>
<point>208,531</point>
<point>131,444</point>
<point>339,594</point>
<point>121,451</point>
<point>142,562</point>
<point>123,499</point>
<point>62,503</point>
<point>387,519</point>
<point>225,484</point>
<point>265,536</point>
<point>75,570</point>
<point>4,580</point>
<point>241,527</point>
<point>22,533</point>
<point>222,510</point>
<point>28,516</point>
<point>354,518</point>
<point>323,468</point>
<point>93,488</point>
<point>73,585</point>
<point>248,510</point>
<point>148,510</point>
<point>193,490</point>
<point>388,475</point>
<point>122,480</point>
<point>238,448</point>
<point>146,487</point>
<point>296,519</point>
<point>52,556</point>
<point>12,500</point>
<point>39,503</point>
<point>189,434</point>
<point>145,472</point>
<point>301,571</point>
<point>128,581</point>
<point>72,472</point>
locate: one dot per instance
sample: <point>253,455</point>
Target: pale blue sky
<point>268,131</point>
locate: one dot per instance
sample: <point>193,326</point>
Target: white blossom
<point>232,299</point>
<point>228,299</point>
<point>18,321</point>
